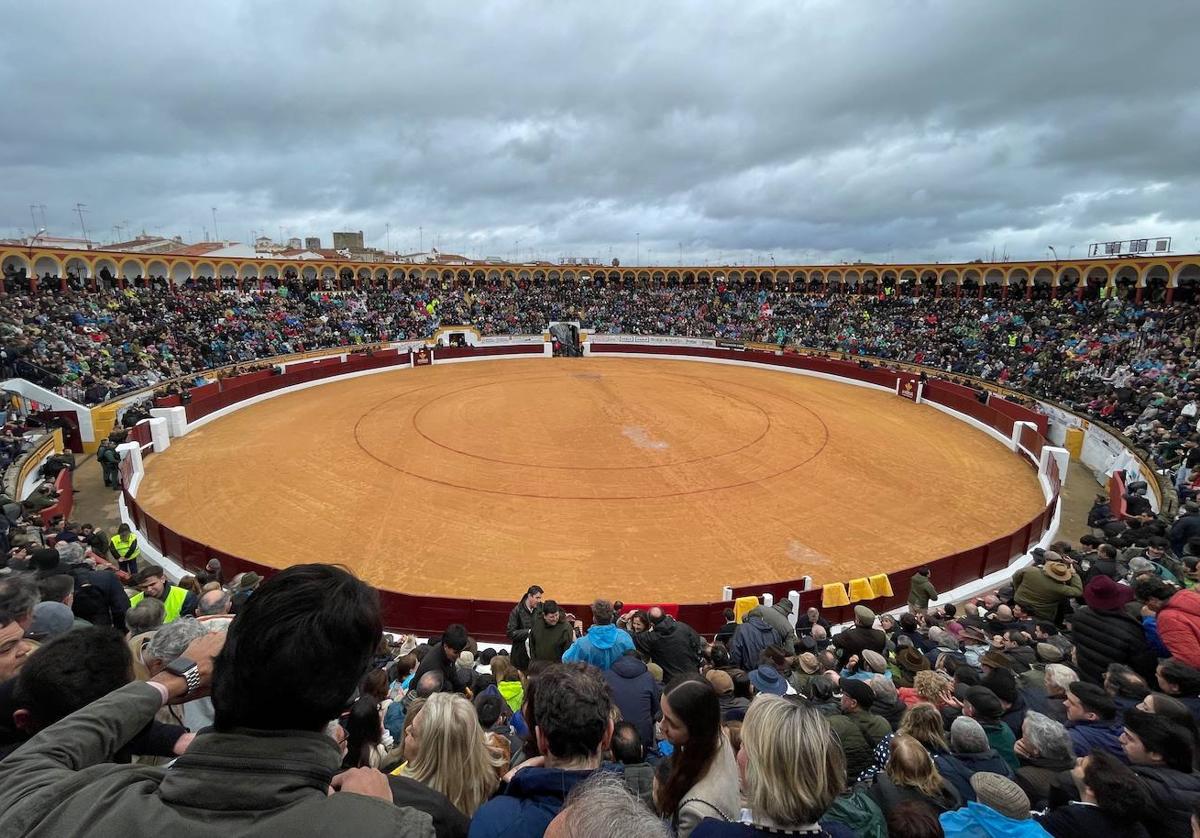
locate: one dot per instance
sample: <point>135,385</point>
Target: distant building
<point>348,241</point>
<point>295,243</point>
<point>312,243</point>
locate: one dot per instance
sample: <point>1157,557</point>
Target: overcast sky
<point>806,131</point>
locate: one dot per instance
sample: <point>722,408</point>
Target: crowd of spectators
<point>1065,704</point>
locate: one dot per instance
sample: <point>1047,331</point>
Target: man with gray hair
<point>18,596</point>
<point>1045,752</point>
<point>601,807</point>
<point>972,753</point>
<point>169,643</point>
<point>146,616</point>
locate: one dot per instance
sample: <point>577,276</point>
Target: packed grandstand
<point>1064,703</point>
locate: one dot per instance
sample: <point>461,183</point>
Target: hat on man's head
<point>860,691</point>
<point>808,663</point>
<point>50,619</point>
<point>996,660</point>
<point>44,558</point>
<point>911,660</point>
<point>1140,564</point>
<point>249,580</point>
<point>874,661</point>
<point>1059,571</point>
<point>213,565</point>
<point>1001,794</point>
<point>985,703</point>
<point>967,736</point>
<point>766,679</point>
<point>722,684</point>
<point>863,616</point>
<point>1049,653</point>
<point>1104,594</point>
<point>466,660</point>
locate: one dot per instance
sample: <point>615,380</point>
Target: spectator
<point>1181,682</point>
<point>922,722</point>
<point>1000,810</point>
<point>508,682</point>
<point>551,634</point>
<point>307,619</point>
<point>790,770</point>
<point>1111,801</point>
<point>453,757</point>
<point>910,775</point>
<point>18,596</point>
<point>216,603</point>
<point>859,730</point>
<point>732,706</point>
<point>629,756</point>
<point>442,656</point>
<point>1092,720</point>
<point>601,805</point>
<point>126,551</point>
<point>1045,751</point>
<point>920,591</point>
<point>604,643</point>
<point>673,645</point>
<point>1105,633</point>
<point>247,584</point>
<point>520,623</point>
<point>1161,756</point>
<point>778,617</point>
<point>983,706</point>
<point>754,636</point>
<point>637,694</point>
<point>971,754</point>
<point>97,593</point>
<point>364,734</point>
<point>701,780</point>
<point>725,633</point>
<point>853,642</point>
<point>1043,590</point>
<point>1179,627</point>
<point>152,582</point>
<point>572,728</point>
<point>914,819</point>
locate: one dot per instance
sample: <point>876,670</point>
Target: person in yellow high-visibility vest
<point>125,549</point>
<point>177,602</point>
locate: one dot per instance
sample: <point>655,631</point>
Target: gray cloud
<point>805,130</point>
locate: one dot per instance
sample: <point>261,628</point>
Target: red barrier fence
<point>487,619</point>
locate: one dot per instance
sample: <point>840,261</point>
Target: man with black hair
<point>1104,563</point>
<point>151,581</point>
<point>629,758</point>
<point>636,693</point>
<point>573,726</point>
<point>18,596</point>
<point>520,622</point>
<point>1181,682</point>
<point>1185,528</point>
<point>673,645</point>
<point>1161,755</point>
<point>99,595</point>
<point>265,767</point>
<point>65,675</point>
<point>1111,801</point>
<point>441,658</point>
<point>725,633</point>
<point>1092,720</point>
<point>551,633</point>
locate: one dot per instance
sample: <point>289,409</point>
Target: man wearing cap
<point>111,600</point>
<point>50,619</point>
<point>807,667</point>
<point>778,617</point>
<point>920,591</point>
<point>520,623</point>
<point>1042,590</point>
<point>722,685</point>
<point>766,679</point>
<point>1106,633</point>
<point>982,705</point>
<point>858,746</point>
<point>857,700</point>
<point>863,636</point>
<point>1000,809</point>
<point>753,636</point>
<point>151,581</point>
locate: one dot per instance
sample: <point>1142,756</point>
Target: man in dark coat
<point>520,622</point>
<point>113,602</point>
<point>862,637</point>
<point>551,634</point>
<point>751,638</point>
<point>442,658</point>
<point>636,694</point>
<point>1186,527</point>
<point>1104,632</point>
<point>673,645</point>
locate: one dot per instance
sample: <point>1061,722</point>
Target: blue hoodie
<point>601,647</point>
<point>978,821</point>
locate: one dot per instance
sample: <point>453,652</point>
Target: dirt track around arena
<point>623,477</point>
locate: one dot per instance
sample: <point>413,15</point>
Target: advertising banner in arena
<point>510,340</point>
<point>656,340</point>
<point>731,344</point>
<point>908,385</point>
<point>422,357</point>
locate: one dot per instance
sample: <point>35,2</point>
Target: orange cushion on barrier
<point>881,585</point>
<point>742,606</point>
<point>833,595</point>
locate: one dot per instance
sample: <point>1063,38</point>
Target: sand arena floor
<point>635,479</point>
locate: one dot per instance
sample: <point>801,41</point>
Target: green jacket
<point>1035,590</point>
<point>920,591</point>
<point>62,783</point>
<point>547,643</point>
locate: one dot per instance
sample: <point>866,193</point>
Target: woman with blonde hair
<point>790,770</point>
<point>922,722</point>
<point>929,685</point>
<point>910,774</point>
<point>451,752</point>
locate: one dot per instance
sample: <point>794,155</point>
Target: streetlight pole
<point>216,236</point>
<point>637,259</point>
